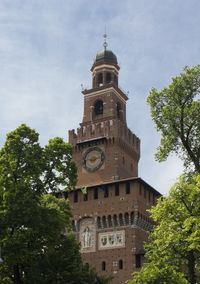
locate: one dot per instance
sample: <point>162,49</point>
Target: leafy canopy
<point>175,111</point>
<point>34,249</point>
<point>173,253</point>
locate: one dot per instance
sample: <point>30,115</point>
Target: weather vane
<point>105,43</point>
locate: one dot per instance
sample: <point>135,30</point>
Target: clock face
<point>93,159</point>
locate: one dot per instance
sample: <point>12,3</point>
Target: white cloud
<point>46,52</point>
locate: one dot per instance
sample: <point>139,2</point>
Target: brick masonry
<point>110,221</point>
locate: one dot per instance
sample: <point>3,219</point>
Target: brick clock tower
<point>110,220</point>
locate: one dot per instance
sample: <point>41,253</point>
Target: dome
<point>105,56</point>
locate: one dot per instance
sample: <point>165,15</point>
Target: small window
<point>126,218</point>
<point>137,260</point>
<point>132,217</point>
<point>95,193</point>
<point>149,196</point>
<point>106,193</point>
<point>115,220</point>
<point>100,79</point>
<point>104,222</point>
<point>75,196</point>
<point>121,223</point>
<point>117,189</point>
<point>85,198</point>
<point>103,265</point>
<point>109,221</point>
<point>108,77</point>
<point>98,222</point>
<point>127,187</point>
<point>121,264</point>
<point>98,107</point>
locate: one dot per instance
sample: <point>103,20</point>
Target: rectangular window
<point>117,189</point>
<point>75,196</point>
<point>95,193</point>
<point>127,187</point>
<point>137,260</point>
<point>149,196</point>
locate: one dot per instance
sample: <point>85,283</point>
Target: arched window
<point>121,264</point>
<point>109,221</point>
<point>99,79</point>
<point>121,220</point>
<point>108,77</point>
<point>115,220</point>
<point>98,107</point>
<point>103,265</point>
<point>126,218</point>
<point>132,217</point>
<point>104,221</point>
<point>98,222</point>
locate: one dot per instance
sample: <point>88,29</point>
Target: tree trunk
<point>17,279</point>
<point>191,268</point>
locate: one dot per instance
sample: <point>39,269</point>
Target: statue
<point>87,238</point>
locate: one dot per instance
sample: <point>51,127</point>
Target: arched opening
<point>99,79</point>
<point>115,220</point>
<point>132,217</point>
<point>98,107</point>
<point>104,221</point>
<point>121,220</point>
<point>126,217</point>
<point>121,264</point>
<point>109,221</point>
<point>98,222</point>
<point>108,77</point>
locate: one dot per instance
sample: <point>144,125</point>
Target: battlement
<point>112,128</point>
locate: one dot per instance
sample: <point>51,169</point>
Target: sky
<point>47,48</point>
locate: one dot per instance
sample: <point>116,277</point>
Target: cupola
<point>105,68</point>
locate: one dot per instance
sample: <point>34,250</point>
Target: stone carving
<point>109,240</point>
<point>87,238</point>
<point>87,235</point>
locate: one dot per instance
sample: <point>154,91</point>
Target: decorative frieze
<point>110,240</point>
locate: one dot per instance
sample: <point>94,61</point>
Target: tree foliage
<point>175,111</point>
<point>33,222</point>
<point>173,253</point>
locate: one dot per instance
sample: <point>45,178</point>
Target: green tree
<point>173,253</point>
<point>175,111</point>
<point>31,221</point>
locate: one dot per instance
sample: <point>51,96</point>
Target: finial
<point>105,43</point>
